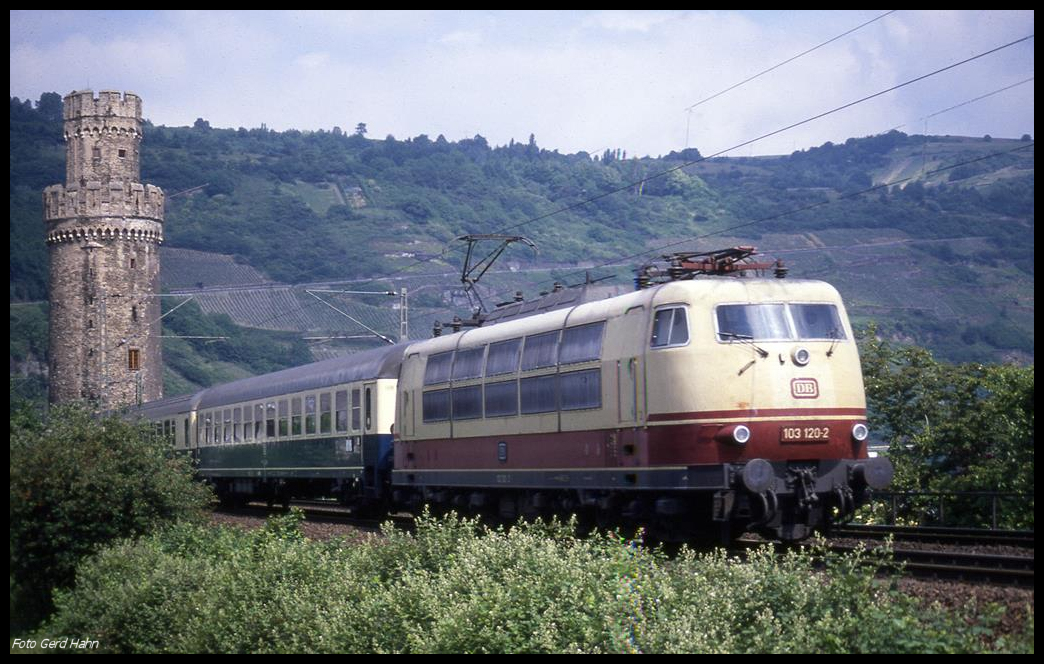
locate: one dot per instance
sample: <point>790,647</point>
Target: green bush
<point>453,586</point>
<point>78,483</point>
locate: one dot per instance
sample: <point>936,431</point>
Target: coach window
<point>228,425</point>
<point>342,410</point>
<point>270,420</point>
<point>309,413</point>
<point>541,350</point>
<point>248,422</point>
<point>284,418</point>
<point>259,421</point>
<point>369,408</point>
<point>468,363</point>
<point>237,424</point>
<point>503,357</point>
<point>295,422</point>
<point>217,424</point>
<point>438,368</point>
<point>670,328</point>
<point>325,419</point>
<point>356,410</point>
<point>582,343</point>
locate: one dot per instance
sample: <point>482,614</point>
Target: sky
<point>577,81</point>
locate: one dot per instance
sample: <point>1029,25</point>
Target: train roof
<point>368,365</point>
<point>160,408</point>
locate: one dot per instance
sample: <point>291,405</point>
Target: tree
<point>360,129</point>
<point>78,483</point>
<point>50,106</point>
<point>951,427</point>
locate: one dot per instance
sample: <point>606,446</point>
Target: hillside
<point>943,259</point>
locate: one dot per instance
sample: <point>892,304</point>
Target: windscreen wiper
<point>835,334</point>
<point>745,339</point>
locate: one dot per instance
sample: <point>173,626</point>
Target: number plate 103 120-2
<point>804,434</point>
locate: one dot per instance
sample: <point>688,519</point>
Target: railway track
<point>959,565</point>
<point>939,535</point>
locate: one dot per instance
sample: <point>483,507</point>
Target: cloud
<point>578,80</point>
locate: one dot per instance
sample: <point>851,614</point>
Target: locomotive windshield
<point>779,322</point>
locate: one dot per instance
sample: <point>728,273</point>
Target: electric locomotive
<point>714,403</point>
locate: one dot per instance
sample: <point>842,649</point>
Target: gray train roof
<point>160,408</point>
<point>368,365</point>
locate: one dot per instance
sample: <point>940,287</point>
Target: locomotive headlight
<point>801,356</point>
<point>860,432</point>
<point>741,434</point>
<point>735,434</point>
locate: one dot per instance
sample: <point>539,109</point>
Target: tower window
<point>134,314</point>
<point>96,154</point>
<point>123,154</point>
<point>133,359</point>
<point>133,263</point>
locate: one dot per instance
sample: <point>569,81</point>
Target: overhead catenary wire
<point>789,60</point>
<point>689,109</point>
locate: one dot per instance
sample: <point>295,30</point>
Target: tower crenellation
<point>104,228</point>
<point>103,136</point>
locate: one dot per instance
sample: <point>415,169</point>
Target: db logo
<point>804,388</point>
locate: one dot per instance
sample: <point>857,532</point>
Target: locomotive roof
<point>371,364</point>
<point>575,311</point>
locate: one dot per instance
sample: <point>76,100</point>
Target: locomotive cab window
<point>817,321</point>
<point>778,322</point>
<point>766,322</point>
<point>670,328</point>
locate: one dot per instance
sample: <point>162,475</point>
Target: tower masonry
<point>104,228</point>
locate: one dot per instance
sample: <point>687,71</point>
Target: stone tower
<point>104,228</point>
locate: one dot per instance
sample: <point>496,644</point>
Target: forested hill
<point>944,259</point>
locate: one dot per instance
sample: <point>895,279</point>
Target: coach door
<point>371,447</point>
<point>629,367</point>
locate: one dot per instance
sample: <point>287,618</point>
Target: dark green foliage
<point>953,427</point>
<point>256,351</point>
<point>79,483</point>
<point>454,587</point>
